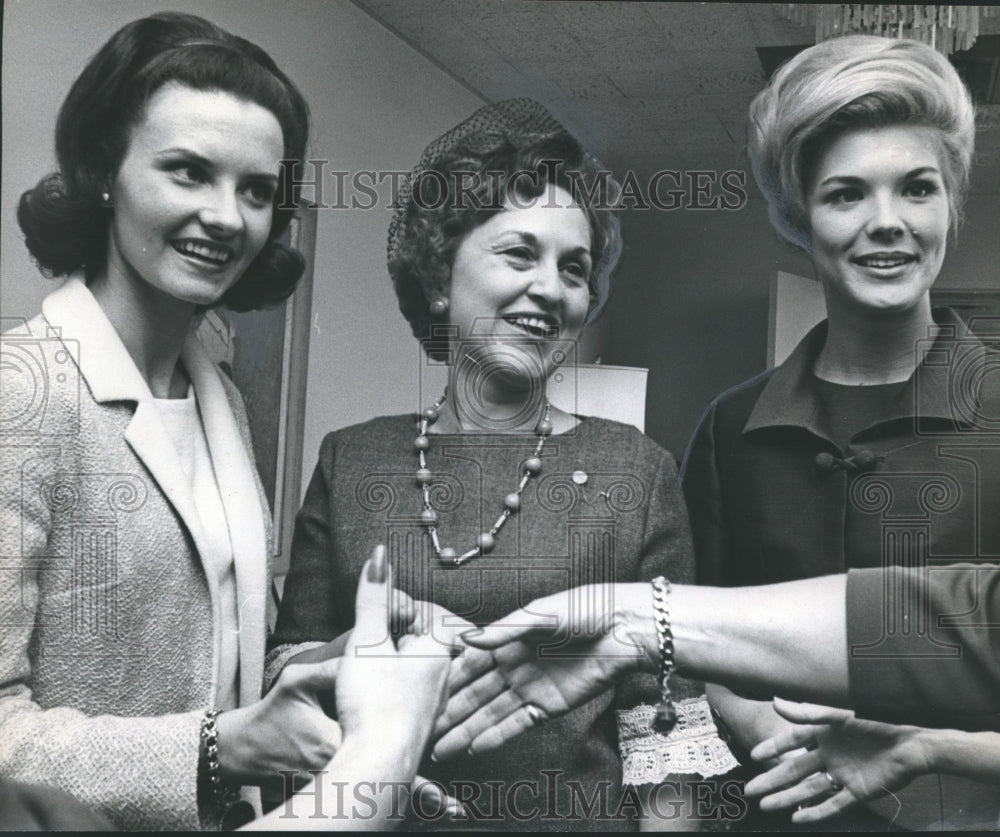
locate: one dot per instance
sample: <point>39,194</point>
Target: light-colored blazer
<point>110,623</point>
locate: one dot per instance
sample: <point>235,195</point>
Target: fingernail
<point>434,758</point>
<point>472,633</point>
<point>457,809</point>
<point>376,566</point>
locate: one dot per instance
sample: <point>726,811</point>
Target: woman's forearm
<point>785,640</point>
<point>365,787</point>
<point>973,755</point>
<point>788,638</point>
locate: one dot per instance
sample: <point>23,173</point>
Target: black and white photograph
<point>499,415</point>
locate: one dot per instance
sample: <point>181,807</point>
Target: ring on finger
<point>834,784</point>
<point>536,715</point>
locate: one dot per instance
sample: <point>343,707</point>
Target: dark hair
<point>64,222</point>
<point>470,182</point>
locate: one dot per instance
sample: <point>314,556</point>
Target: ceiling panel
<point>646,85</point>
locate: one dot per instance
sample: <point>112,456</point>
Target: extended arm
<point>787,639</point>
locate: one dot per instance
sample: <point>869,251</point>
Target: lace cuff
<point>278,657</point>
<point>693,746</point>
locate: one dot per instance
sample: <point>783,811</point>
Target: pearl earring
<point>106,199</point>
<point>439,306</point>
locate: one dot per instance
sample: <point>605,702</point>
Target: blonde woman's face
<point>878,218</point>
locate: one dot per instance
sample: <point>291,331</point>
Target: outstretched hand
<point>534,664</point>
<point>386,687</point>
<point>847,761</point>
<point>288,731</point>
<point>389,692</point>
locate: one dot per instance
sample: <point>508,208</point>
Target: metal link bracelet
<point>224,796</point>
<point>666,714</point>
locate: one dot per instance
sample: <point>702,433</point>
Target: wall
<point>691,301</point>
<point>375,104</point>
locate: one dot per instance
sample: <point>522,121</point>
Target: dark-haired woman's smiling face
<point>520,287</point>
<point>192,200</point>
<point>878,217</point>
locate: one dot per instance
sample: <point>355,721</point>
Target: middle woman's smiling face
<point>521,281</point>
<point>878,217</point>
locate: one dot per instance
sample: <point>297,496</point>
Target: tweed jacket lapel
<point>244,514</point>
<point>111,376</point>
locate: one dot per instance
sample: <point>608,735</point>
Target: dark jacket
<point>960,690</point>
<point>762,510</point>
<point>773,498</point>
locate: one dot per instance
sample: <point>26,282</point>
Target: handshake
<point>438,684</point>
<point>482,686</point>
<point>444,685</point>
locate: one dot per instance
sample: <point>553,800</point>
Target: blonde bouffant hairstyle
<point>846,83</point>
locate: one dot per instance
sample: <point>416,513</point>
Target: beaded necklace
<point>511,503</point>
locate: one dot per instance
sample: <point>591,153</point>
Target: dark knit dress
<point>621,519</point>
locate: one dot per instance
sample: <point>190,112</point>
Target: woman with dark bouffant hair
<point>133,523</point>
<point>501,248</point>
<point>67,217</point>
